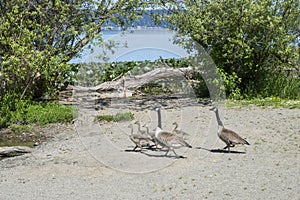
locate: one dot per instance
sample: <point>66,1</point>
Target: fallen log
<point>134,82</point>
<point>14,151</point>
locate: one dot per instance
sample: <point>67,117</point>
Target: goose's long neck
<point>176,126</point>
<point>218,118</point>
<point>159,118</point>
<point>139,127</point>
<point>131,130</point>
<point>147,129</point>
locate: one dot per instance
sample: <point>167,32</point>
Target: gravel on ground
<point>92,160</point>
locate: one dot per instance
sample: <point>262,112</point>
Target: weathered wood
<point>14,151</point>
<point>134,82</point>
<point>124,86</point>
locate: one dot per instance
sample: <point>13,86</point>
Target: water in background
<point>137,45</point>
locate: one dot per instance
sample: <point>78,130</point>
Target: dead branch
<point>14,151</point>
<point>134,82</point>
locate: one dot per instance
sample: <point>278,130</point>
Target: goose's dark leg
<point>227,147</point>
<point>136,146</point>
<point>167,151</point>
<point>175,153</point>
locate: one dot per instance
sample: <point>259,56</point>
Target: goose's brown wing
<point>232,137</point>
<point>181,141</point>
<point>171,139</point>
<point>165,137</point>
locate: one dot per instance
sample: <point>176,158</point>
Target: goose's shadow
<point>132,150</point>
<point>221,151</point>
<point>144,151</point>
<point>160,156</point>
<point>150,148</point>
<point>153,148</point>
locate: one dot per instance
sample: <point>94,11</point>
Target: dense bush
<point>251,42</point>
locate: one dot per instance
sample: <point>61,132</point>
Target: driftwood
<point>124,86</point>
<point>14,151</point>
<point>134,82</point>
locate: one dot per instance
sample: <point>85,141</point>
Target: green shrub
<point>276,84</point>
<point>231,83</point>
<point>16,110</point>
<point>12,109</point>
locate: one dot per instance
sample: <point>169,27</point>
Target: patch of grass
<point>49,113</point>
<point>119,117</point>
<point>20,128</point>
<point>123,117</point>
<point>266,102</point>
<point>256,143</point>
<point>107,118</point>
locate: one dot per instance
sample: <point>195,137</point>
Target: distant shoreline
<point>111,28</point>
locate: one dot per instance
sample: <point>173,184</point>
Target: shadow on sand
<point>160,156</point>
<point>221,151</point>
<point>145,152</point>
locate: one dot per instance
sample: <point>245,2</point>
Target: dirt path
<point>88,160</point>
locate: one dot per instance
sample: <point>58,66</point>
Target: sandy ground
<point>91,160</point>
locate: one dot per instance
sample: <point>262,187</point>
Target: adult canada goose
<point>167,139</point>
<point>170,140</point>
<point>179,131</point>
<point>230,137</point>
<point>137,139</point>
